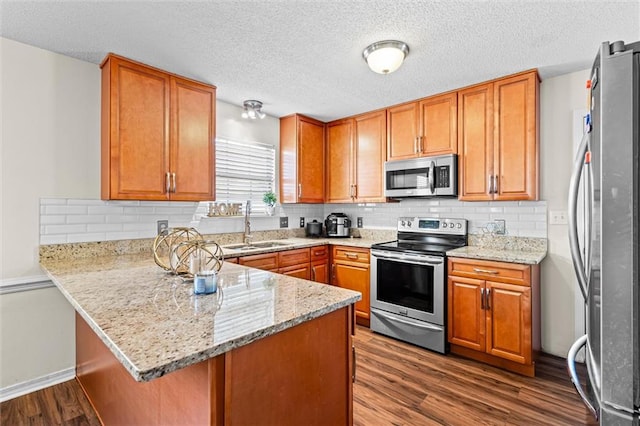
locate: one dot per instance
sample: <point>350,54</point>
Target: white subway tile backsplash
<point>79,220</point>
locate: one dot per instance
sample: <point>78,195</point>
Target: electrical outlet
<point>302,222</point>
<point>284,222</point>
<point>500,226</point>
<point>557,217</point>
<point>163,227</point>
<point>359,221</point>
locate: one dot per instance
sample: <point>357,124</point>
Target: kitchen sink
<point>256,246</point>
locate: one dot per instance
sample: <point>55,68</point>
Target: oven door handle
<point>425,326</point>
<point>417,260</point>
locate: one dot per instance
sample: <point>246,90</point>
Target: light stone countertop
<point>533,257</point>
<point>153,324</point>
<point>297,243</point>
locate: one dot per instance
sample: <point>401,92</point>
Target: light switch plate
<point>359,222</point>
<point>557,217</point>
<point>302,222</point>
<point>500,226</point>
<point>284,222</point>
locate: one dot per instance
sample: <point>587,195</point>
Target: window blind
<point>244,171</point>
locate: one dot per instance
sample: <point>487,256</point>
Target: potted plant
<point>269,199</point>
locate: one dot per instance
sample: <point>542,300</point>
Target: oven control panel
<point>430,225</point>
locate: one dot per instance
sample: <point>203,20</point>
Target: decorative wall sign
<point>224,209</point>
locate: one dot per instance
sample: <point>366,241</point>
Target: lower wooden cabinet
<point>350,269</point>
<point>494,312</point>
<point>320,264</point>
<point>266,261</point>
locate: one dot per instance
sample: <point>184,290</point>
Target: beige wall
<point>559,97</point>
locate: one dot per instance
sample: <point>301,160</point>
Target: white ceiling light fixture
<point>253,110</point>
<point>385,57</point>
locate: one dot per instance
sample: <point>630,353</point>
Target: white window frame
<point>245,170</point>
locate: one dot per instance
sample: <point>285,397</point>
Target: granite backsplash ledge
<point>504,242</point>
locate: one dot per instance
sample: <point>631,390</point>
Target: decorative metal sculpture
<point>164,244</point>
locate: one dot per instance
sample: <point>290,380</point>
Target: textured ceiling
<point>306,56</point>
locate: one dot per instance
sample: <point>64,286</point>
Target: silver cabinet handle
<point>299,190</point>
<point>482,298</point>
<point>491,184</point>
<point>495,185</point>
<point>487,303</point>
<point>485,271</point>
<point>313,273</point>
<point>353,355</point>
<point>574,244</point>
<point>173,176</point>
<point>351,255</point>
<point>571,368</point>
<point>167,181</point>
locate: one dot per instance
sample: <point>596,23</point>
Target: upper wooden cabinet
<point>355,158</point>
<point>423,128</point>
<point>158,134</point>
<point>301,160</point>
<point>498,139</point>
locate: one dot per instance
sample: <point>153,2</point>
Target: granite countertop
<point>152,322</point>
<point>501,248</point>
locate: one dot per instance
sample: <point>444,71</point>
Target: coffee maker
<point>337,225</point>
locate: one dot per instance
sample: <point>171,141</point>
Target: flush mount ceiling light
<point>385,57</point>
<point>253,110</point>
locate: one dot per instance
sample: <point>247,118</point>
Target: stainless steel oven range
<point>409,278</point>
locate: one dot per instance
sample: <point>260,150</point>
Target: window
<point>244,171</point>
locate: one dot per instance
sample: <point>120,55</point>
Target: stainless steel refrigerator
<point>607,262</point>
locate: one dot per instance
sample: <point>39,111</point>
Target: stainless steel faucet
<point>247,223</point>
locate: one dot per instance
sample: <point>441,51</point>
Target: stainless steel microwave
<point>422,177</point>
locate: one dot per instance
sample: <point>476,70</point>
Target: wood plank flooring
<point>396,384</point>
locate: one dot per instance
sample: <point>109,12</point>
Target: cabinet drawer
<point>267,261</point>
<point>513,273</point>
<point>351,254</point>
<point>293,257</point>
<point>319,253</point>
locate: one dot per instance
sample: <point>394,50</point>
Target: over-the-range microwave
<point>422,177</point>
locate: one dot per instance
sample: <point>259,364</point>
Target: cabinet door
<point>353,276</point>
<point>293,257</point>
<point>310,161</point>
<point>339,161</point>
<point>402,131</point>
<point>135,132</point>
<point>298,271</point>
<point>466,325</point>
<point>439,125</point>
<point>192,150</point>
<point>370,155</point>
<point>475,142</point>
<point>320,271</point>
<point>509,321</point>
<point>516,137</point>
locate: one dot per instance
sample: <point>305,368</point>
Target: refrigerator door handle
<point>574,245</point>
<point>571,367</point>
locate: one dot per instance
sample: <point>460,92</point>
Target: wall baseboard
<point>15,285</point>
<point>36,384</point>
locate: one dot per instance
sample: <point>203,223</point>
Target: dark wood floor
<point>396,384</point>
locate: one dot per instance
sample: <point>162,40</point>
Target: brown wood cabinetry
<point>158,134</point>
<point>424,127</point>
<point>320,264</point>
<point>494,312</point>
<point>295,263</point>
<point>498,139</point>
<point>350,269</point>
<point>355,158</point>
<point>266,261</point>
<point>301,160</point>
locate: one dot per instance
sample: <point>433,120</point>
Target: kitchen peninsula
<point>265,349</point>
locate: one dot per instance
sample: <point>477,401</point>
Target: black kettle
<point>313,229</point>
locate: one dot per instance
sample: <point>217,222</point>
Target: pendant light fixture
<point>385,57</point>
<point>253,110</point>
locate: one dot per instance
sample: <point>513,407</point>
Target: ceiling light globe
<point>385,57</point>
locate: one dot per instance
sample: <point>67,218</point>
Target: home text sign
<point>224,209</point>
